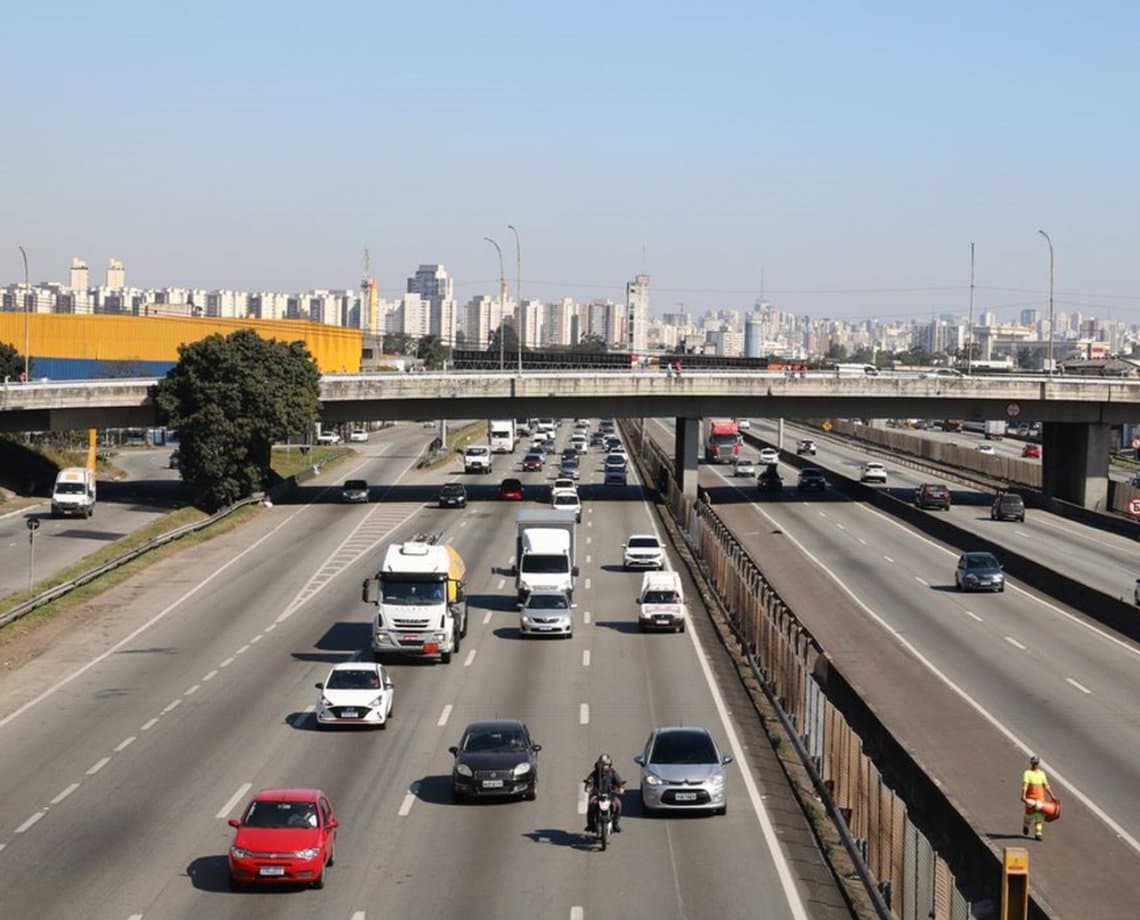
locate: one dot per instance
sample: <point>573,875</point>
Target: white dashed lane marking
<point>192,690</point>
<point>406,805</point>
<point>1012,641</point>
<point>586,617</point>
<point>1079,686</point>
<point>444,716</point>
<point>970,613</point>
<point>98,765</point>
<point>487,618</point>
<point>171,706</point>
<point>148,725</point>
<point>470,657</point>
<point>889,559</point>
<point>226,663</point>
<point>32,820</point>
<point>233,800</point>
<point>210,676</point>
<point>66,792</point>
<point>124,744</point>
<point>585,657</point>
<point>921,581</point>
<point>584,714</point>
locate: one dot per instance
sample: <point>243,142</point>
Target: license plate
<point>492,784</point>
<point>686,796</point>
<point>663,621</point>
<point>349,714</point>
<point>409,638</point>
<point>271,870</point>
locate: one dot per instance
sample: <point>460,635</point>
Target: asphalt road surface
<point>122,756</point>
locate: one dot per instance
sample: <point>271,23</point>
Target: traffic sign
<point>1013,410</point>
<point>33,523</point>
<point>1134,506</point>
<point>826,426</point>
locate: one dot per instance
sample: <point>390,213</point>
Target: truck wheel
<point>445,657</point>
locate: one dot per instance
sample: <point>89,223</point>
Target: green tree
<point>591,341</point>
<point>397,343</point>
<point>230,398</point>
<point>510,341</point>
<point>432,352</point>
<point>11,362</point>
<point>837,352</point>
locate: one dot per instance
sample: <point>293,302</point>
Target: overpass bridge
<point>1076,412</point>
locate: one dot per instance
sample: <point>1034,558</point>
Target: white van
<point>661,602</point>
<point>73,493</point>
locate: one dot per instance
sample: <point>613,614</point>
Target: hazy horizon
<point>837,161</point>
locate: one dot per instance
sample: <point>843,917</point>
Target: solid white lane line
<point>922,581</point>
<point>242,650</point>
<point>889,559</point>
<point>32,820</point>
<point>210,676</point>
<point>233,800</point>
<point>148,725</point>
<point>190,691</point>
<point>970,613</point>
<point>444,716</point>
<point>470,657</point>
<point>1078,685</point>
<point>226,663</point>
<point>585,657</point>
<point>1012,641</point>
<point>586,617</point>
<point>584,714</point>
<point>406,805</point>
<point>124,744</point>
<point>66,792</point>
<point>170,707</point>
<point>487,618</point>
<point>145,626</point>
<point>97,766</point>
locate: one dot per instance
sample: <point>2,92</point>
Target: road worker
<point>1034,788</point>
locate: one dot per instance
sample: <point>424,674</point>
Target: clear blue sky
<point>849,151</point>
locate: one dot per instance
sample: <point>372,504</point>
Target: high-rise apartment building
<point>637,313</point>
<point>116,275</point>
<point>437,291</point>
<point>80,277</point>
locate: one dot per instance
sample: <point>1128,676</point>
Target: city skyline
<point>836,160</point>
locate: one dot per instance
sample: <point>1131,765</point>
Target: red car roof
<point>288,794</point>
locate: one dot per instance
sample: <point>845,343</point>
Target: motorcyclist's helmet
<point>605,760</point>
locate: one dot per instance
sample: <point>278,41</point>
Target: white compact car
<point>567,500</point>
<point>356,693</point>
<point>643,551</point>
<point>358,435</point>
<point>769,455</point>
<point>742,424</point>
<point>986,449</point>
<point>874,472</point>
<point>328,437</point>
<point>744,467</point>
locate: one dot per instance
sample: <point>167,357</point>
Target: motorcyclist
<point>603,778</point>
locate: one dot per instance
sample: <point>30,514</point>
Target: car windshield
<point>511,485</point>
<point>661,597</point>
<point>683,747</point>
<point>724,439</point>
<point>356,484</point>
<point>536,457</point>
<point>494,742</point>
<point>353,679</point>
<point>547,602</point>
<point>571,500</point>
<point>281,814</point>
<point>643,543</point>
<point>981,562</point>
<point>452,488</point>
<point>545,564</point>
<point>412,593</point>
<point>477,451</point>
<point>69,488</point>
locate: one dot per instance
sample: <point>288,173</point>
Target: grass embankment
<point>290,460</point>
<point>457,440</point>
<point>93,589</point>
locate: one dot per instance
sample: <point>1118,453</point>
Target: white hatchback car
<point>643,551</point>
<point>744,467</point>
<point>356,693</point>
<point>986,449</point>
<point>769,455</point>
<point>874,472</point>
<point>358,434</point>
<point>328,437</point>
<point>567,500</point>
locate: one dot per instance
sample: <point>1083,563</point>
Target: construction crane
<point>368,298</point>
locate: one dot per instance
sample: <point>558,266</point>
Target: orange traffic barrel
<point>1051,810</point>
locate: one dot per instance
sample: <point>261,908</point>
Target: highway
<point>1106,561</point>
<point>152,490</point>
<point>1042,676</point>
<point>123,751</point>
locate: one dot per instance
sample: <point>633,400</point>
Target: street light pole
<point>1050,242</point>
<point>502,298</point>
<point>970,328</point>
<point>27,334</point>
<point>518,291</point>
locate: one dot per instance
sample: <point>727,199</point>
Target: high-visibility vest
<point>1035,782</point>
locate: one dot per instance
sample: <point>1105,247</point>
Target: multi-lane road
<point>125,747</point>
<point>1043,678</point>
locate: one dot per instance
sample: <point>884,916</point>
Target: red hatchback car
<point>1031,450</point>
<point>511,490</point>
<point>285,836</point>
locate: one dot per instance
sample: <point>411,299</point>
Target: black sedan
<point>453,495</point>
<point>770,479</point>
<point>812,478</point>
<point>533,461</point>
<point>495,759</point>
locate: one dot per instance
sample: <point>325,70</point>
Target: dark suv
<point>932,495</point>
<point>1008,506</point>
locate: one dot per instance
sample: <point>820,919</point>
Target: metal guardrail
<point>89,576</point>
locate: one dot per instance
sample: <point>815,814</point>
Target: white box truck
<point>420,598</point>
<point>544,552</point>
<point>502,436</point>
<point>73,493</point>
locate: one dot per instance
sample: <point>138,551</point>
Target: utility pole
<point>27,333</point>
<point>1050,242</point>
<point>518,291</point>
<point>970,328</point>
<point>502,299</point>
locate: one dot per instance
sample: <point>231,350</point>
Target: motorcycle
<point>605,818</point>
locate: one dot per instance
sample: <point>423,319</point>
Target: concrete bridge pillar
<point>1074,458</point>
<point>686,453</point>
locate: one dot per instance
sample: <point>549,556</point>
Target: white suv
<point>477,459</point>
<point>874,472</point>
<point>643,551</point>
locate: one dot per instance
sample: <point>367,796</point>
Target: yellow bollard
<point>1014,883</point>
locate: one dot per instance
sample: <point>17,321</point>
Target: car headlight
<point>462,769</point>
<point>522,769</point>
<point>326,703</point>
<point>653,779</point>
<point>239,853</point>
<point>971,578</point>
<point>308,853</point>
<point>716,781</point>
<point>375,704</point>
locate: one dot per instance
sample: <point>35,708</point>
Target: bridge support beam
<point>686,453</point>
<point>1074,459</point>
